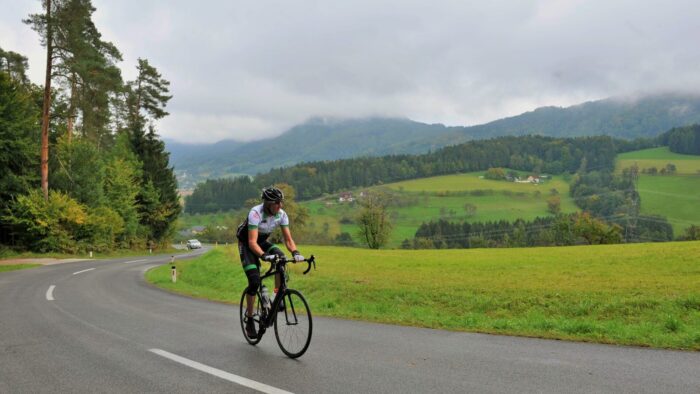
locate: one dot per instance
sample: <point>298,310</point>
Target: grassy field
<point>445,197</point>
<point>637,294</point>
<point>15,267</point>
<point>675,196</point>
<point>659,157</point>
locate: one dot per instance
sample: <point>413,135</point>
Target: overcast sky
<point>251,69</point>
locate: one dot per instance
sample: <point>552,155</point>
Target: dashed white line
<point>49,293</point>
<point>135,261</point>
<point>80,272</point>
<point>219,373</point>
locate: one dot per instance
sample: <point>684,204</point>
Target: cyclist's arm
<point>253,242</point>
<point>288,241</point>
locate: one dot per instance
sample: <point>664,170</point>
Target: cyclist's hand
<point>269,257</point>
<point>297,256</point>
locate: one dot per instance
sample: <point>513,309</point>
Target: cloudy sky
<point>251,69</point>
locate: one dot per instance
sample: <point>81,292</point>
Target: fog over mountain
<point>336,138</point>
<point>248,70</point>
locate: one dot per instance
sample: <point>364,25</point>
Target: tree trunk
<point>71,110</point>
<point>47,104</point>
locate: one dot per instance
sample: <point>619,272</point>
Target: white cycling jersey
<point>264,223</point>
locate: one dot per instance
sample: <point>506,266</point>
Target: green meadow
<point>659,157</point>
<point>637,294</point>
<point>675,196</point>
<point>445,197</point>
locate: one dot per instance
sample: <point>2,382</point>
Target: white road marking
<point>219,373</point>
<point>49,293</point>
<point>80,272</point>
<point>135,261</point>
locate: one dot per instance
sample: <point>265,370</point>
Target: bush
<point>62,224</point>
<point>47,226</point>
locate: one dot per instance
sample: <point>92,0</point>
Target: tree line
<point>534,154</point>
<point>83,166</point>
<point>684,140</point>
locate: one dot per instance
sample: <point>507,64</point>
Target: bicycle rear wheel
<point>293,325</point>
<point>257,318</point>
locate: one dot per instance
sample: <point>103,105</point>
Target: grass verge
<point>637,294</point>
<point>15,267</point>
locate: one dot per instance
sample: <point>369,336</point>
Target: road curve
<point>101,328</point>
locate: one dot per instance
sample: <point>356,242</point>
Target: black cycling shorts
<point>251,263</point>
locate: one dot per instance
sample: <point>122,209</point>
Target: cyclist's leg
<point>271,248</point>
<point>251,266</point>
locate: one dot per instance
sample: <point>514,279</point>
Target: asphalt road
<point>101,328</point>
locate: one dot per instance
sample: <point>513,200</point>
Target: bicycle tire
<point>257,316</point>
<point>293,324</point>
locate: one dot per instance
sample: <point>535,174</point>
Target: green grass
<point>659,157</point>
<point>444,197</point>
<point>471,181</point>
<point>675,197</point>
<point>637,294</point>
<point>15,267</point>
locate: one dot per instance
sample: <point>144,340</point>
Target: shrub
<point>47,225</point>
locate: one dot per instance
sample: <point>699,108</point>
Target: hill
<point>316,139</point>
<point>445,197</point>
<point>329,139</point>
<point>645,117</point>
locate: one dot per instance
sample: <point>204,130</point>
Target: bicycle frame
<point>279,267</point>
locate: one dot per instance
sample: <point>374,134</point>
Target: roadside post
<point>173,270</point>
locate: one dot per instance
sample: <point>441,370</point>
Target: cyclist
<point>253,245</point>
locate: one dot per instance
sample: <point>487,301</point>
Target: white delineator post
<point>173,270</point>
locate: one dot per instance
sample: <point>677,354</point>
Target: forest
<point>83,166</point>
<point>534,154</point>
<point>684,140</point>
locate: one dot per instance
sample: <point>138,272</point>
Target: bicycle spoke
<point>294,331</point>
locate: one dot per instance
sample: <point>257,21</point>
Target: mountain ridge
<point>327,138</point>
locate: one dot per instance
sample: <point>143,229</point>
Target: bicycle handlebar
<point>284,260</point>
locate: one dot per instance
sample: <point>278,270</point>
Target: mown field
<point>675,196</point>
<point>637,294</point>
<point>659,157</point>
<point>426,199</point>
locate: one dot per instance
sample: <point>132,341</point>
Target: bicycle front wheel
<point>293,324</point>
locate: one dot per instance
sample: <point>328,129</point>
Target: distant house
<point>345,197</point>
<point>530,179</point>
<point>197,229</point>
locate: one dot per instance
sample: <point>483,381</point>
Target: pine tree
<point>15,65</point>
<point>147,96</point>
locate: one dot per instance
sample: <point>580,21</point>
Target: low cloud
<point>249,70</point>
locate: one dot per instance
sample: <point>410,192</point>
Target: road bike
<point>288,312</point>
